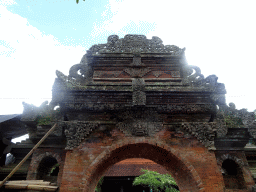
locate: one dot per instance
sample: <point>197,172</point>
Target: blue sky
<point>39,37</point>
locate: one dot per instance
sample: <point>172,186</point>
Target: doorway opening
<point>48,169</point>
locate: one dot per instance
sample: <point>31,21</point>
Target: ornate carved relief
<point>137,69</point>
<point>35,114</point>
<point>188,109</point>
<point>204,132</point>
<point>140,122</point>
<point>193,108</point>
<point>139,128</point>
<point>192,76</point>
<point>138,96</point>
<point>221,127</point>
<point>79,74</point>
<point>239,118</point>
<point>157,73</point>
<point>76,131</point>
<point>175,73</point>
<point>218,99</point>
<point>134,44</point>
<point>104,74</point>
<point>137,72</point>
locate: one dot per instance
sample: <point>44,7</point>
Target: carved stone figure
<point>139,122</point>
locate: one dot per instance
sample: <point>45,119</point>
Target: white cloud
<point>29,59</point>
<point>219,37</point>
<point>7,2</point>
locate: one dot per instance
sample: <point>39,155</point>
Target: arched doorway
<point>183,173</point>
<point>121,176</point>
<point>232,175</point>
<point>48,169</point>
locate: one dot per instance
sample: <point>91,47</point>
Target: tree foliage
<point>77,1</point>
<point>98,187</point>
<point>156,181</point>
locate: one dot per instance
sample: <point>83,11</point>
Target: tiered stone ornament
<point>137,93</point>
<point>137,76</point>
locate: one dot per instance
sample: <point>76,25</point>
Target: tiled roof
<point>132,167</point>
<point>4,118</point>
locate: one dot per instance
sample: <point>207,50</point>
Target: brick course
<point>191,164</point>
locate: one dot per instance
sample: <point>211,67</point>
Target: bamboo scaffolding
<point>27,156</point>
<point>38,185</point>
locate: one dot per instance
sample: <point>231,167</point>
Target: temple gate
<point>134,97</point>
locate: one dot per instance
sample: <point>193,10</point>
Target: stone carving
<point>137,69</point>
<point>238,118</point>
<point>135,44</point>
<point>76,131</point>
<point>139,128</point>
<point>204,132</point>
<point>138,96</point>
<point>188,109</point>
<point>222,129</point>
<point>79,74</point>
<point>140,122</point>
<point>103,74</point>
<point>33,113</point>
<point>252,130</point>
<point>193,77</point>
<point>193,108</point>
<point>243,118</point>
<point>94,106</point>
<point>137,72</point>
<point>157,73</point>
<point>99,74</point>
<point>175,73</point>
<point>30,112</point>
<point>218,99</point>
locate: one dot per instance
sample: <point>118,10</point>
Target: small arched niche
<point>232,175</point>
<point>48,169</point>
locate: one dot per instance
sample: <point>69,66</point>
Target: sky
<point>38,37</point>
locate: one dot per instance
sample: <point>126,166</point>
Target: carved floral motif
<point>204,132</point>
<point>140,122</point>
<point>137,72</point>
<point>192,77</point>
<point>134,44</point>
<point>139,95</point>
<point>157,73</point>
<point>76,131</point>
<point>175,73</point>
<point>238,118</point>
<point>103,74</point>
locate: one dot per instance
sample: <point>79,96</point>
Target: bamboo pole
<point>27,156</point>
<point>31,187</point>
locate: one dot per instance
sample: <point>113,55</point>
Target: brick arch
<point>37,158</point>
<point>40,157</point>
<point>242,165</point>
<point>181,170</point>
<point>224,157</point>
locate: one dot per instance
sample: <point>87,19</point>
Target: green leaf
<point>156,181</point>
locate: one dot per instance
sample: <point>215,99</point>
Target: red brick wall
<point>39,155</point>
<point>240,159</point>
<point>193,167</point>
